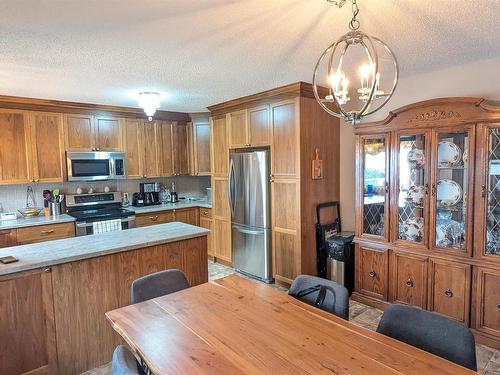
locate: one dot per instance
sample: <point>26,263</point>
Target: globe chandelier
<point>355,59</point>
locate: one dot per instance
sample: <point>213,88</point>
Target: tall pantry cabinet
<point>292,125</point>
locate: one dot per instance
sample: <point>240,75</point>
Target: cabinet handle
<point>426,189</point>
<point>153,218</point>
<point>386,187</point>
<point>47,270</point>
<point>448,293</point>
<point>409,283</point>
<point>483,191</point>
<point>433,190</point>
<point>372,273</point>
<point>48,231</point>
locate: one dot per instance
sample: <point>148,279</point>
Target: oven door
<point>95,166</point>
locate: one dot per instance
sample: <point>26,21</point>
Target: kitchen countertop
<point>34,221</point>
<point>77,248</point>
<point>185,203</point>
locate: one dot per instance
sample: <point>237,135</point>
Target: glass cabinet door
<point>412,188</point>
<point>491,192</point>
<point>375,185</point>
<point>450,190</point>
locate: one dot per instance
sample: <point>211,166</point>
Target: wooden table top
<point>237,326</point>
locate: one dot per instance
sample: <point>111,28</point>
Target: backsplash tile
<point>13,197</point>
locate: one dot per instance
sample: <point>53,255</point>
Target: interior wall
<point>478,79</point>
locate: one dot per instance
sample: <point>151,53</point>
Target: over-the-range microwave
<point>95,166</point>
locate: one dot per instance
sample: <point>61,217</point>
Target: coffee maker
<point>150,192</point>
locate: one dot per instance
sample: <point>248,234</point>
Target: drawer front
<point>43,233</point>
<point>486,316</point>
<point>409,279</point>
<point>188,216</point>
<point>372,272</point>
<point>205,212</point>
<point>449,291</point>
<point>154,218</point>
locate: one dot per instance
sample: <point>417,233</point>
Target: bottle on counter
<point>174,198</point>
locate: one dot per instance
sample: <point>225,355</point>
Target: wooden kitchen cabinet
<point>42,233</point>
<point>166,147</point>
<point>151,167</point>
<point>237,129</point>
<point>134,147</point>
<point>207,223</point>
<point>188,216</point>
<point>28,342</point>
<point>286,139</point>
<point>200,149</point>
<point>219,147</point>
<point>372,272</point>
<point>249,128</point>
<point>409,279</point>
<point>14,143</point>
<point>180,149</point>
<point>449,289</point>
<point>92,133</point>
<point>153,218</point>
<point>8,238</point>
<point>486,301</point>
<point>47,159</point>
<point>222,240</point>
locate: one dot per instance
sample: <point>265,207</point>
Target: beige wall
<point>480,79</point>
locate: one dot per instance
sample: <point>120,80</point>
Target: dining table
<point>235,325</point>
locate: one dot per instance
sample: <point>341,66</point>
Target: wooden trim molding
<point>49,105</point>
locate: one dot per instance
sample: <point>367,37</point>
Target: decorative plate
<point>415,195</point>
<point>449,193</point>
<point>414,229</point>
<point>449,154</point>
<point>416,158</point>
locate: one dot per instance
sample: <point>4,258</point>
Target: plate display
<point>413,229</point>
<point>415,195</point>
<point>416,158</point>
<point>449,193</point>
<point>449,154</point>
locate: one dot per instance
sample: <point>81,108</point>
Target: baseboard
<point>370,301</point>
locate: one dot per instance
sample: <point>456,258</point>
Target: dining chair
<point>158,284</point>
<point>431,332</point>
<point>325,294</point>
<point>124,362</point>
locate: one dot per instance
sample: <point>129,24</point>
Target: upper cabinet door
<point>259,129</point>
<point>132,140</point>
<point>108,135</point>
<point>180,147</point>
<point>79,134</point>
<point>238,136</point>
<point>487,202</point>
<point>201,148</point>
<point>166,148</point>
<point>373,192</point>
<point>220,156</point>
<point>412,178</point>
<point>14,130</point>
<point>151,148</point>
<point>47,147</point>
<point>452,187</point>
<point>285,128</point>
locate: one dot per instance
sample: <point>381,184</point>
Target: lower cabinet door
<point>449,291</point>
<point>208,224</point>
<point>372,272</point>
<point>409,279</point>
<point>486,313</point>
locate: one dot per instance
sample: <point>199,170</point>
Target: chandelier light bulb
<point>149,102</point>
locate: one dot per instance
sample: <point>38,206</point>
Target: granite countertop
<point>77,248</point>
<point>185,203</point>
<point>34,221</point>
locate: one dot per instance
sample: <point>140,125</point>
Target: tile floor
<point>488,359</point>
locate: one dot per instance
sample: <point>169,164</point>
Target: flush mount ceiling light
<point>149,102</point>
<point>355,57</point>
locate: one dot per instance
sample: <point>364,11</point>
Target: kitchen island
<point>53,300</point>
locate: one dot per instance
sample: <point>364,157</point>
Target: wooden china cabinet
<point>428,211</point>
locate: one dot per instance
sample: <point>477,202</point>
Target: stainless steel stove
<point>99,213</point>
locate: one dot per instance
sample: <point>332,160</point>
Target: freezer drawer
<point>252,251</point>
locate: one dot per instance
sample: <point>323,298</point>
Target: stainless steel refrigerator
<point>249,201</point>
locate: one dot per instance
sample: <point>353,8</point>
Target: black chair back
<point>158,284</point>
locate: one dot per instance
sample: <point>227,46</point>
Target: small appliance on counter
<point>174,197</point>
<point>137,200</point>
<point>150,193</point>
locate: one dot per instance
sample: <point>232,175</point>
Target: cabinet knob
<point>47,270</point>
<point>448,293</point>
<point>372,273</point>
<point>409,283</point>
<point>97,148</point>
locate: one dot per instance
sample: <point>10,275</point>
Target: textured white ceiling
<point>202,52</point>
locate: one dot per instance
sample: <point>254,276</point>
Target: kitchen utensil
<point>449,154</point>
<point>449,193</point>
<point>54,208</point>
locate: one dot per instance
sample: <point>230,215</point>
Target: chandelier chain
<point>337,3</point>
<point>354,24</point>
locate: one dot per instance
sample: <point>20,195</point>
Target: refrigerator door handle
<point>230,187</point>
<point>249,231</point>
